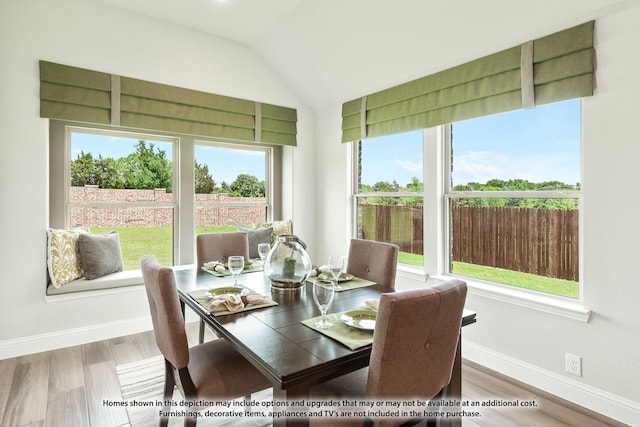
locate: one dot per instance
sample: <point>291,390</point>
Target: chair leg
<point>169,384</point>
<point>190,421</point>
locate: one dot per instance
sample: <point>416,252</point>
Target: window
<point>502,194</point>
<point>389,193</point>
<point>125,183</point>
<point>231,186</point>
<point>158,190</point>
<point>514,197</point>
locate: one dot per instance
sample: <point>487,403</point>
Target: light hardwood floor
<point>67,387</point>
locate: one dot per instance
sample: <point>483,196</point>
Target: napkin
<point>235,302</point>
<point>372,304</point>
<point>319,270</point>
<point>215,266</point>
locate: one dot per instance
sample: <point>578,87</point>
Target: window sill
<point>412,272</point>
<point>558,306</point>
<point>115,283</point>
<point>94,293</point>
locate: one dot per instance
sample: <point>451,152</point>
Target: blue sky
<point>539,144</point>
<point>226,164</point>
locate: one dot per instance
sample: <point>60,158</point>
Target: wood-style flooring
<point>67,387</point>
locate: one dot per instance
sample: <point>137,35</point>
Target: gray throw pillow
<point>256,235</point>
<point>99,254</point>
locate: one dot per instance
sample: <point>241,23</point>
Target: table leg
<point>201,332</point>
<point>454,390</point>
<point>295,394</point>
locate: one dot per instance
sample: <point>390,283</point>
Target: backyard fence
<point>537,241</point>
<point>211,209</point>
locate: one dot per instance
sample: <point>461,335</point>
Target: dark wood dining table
<point>291,355</point>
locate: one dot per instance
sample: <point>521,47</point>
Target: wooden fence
<point>397,224</point>
<point>537,241</point>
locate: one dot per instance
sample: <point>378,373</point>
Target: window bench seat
<point>110,281</point>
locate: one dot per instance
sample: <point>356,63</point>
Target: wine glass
<point>323,296</point>
<point>236,265</point>
<point>263,250</point>
<point>336,265</point>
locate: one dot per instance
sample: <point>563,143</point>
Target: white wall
<point>529,344</point>
<point>518,341</point>
<point>96,36</point>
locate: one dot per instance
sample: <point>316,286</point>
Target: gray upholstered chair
<point>413,352</point>
<point>220,246</point>
<point>210,371</point>
<point>375,261</point>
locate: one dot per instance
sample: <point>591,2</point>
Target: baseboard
<point>70,337</point>
<point>603,402</point>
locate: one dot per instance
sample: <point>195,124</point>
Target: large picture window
<point>501,201</point>
<point>514,198</point>
<point>125,183</point>
<point>158,190</point>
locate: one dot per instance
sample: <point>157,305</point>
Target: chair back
<point>220,246</point>
<point>166,314</point>
<point>375,261</point>
<point>415,341</point>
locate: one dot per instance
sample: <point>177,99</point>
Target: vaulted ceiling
<point>335,50</point>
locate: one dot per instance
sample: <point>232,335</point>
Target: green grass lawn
<point>135,242</point>
<point>566,288</point>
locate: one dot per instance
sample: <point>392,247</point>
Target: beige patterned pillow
<point>63,256</point>
<point>280,228</point>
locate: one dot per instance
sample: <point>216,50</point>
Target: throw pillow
<point>100,254</point>
<point>280,228</point>
<point>256,235</point>
<point>63,258</point>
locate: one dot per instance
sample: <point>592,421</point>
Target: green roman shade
<point>550,69</point>
<point>75,94</point>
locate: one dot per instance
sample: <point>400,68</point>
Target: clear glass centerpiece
<point>288,264</point>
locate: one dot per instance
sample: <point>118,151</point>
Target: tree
<point>247,185</point>
<point>146,169</point>
<point>415,185</point>
<point>518,185</point>
<point>385,186</point>
<point>204,183</point>
<point>103,172</point>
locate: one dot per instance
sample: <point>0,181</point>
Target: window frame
<point>437,162</point>
<point>449,195</point>
<point>175,161</point>
<point>269,155</point>
<point>357,195</point>
<point>184,230</point>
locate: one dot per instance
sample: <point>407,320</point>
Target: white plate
<point>344,277</point>
<point>360,319</point>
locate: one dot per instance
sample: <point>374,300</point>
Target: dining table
<point>274,339</point>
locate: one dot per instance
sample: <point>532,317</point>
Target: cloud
<point>477,166</point>
<point>481,166</point>
<point>409,166</point>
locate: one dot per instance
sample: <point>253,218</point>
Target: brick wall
<point>158,216</point>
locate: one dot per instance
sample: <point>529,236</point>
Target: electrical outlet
<point>573,364</point>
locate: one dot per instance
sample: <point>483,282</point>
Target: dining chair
<point>375,261</point>
<point>413,352</point>
<point>219,247</point>
<point>212,371</point>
